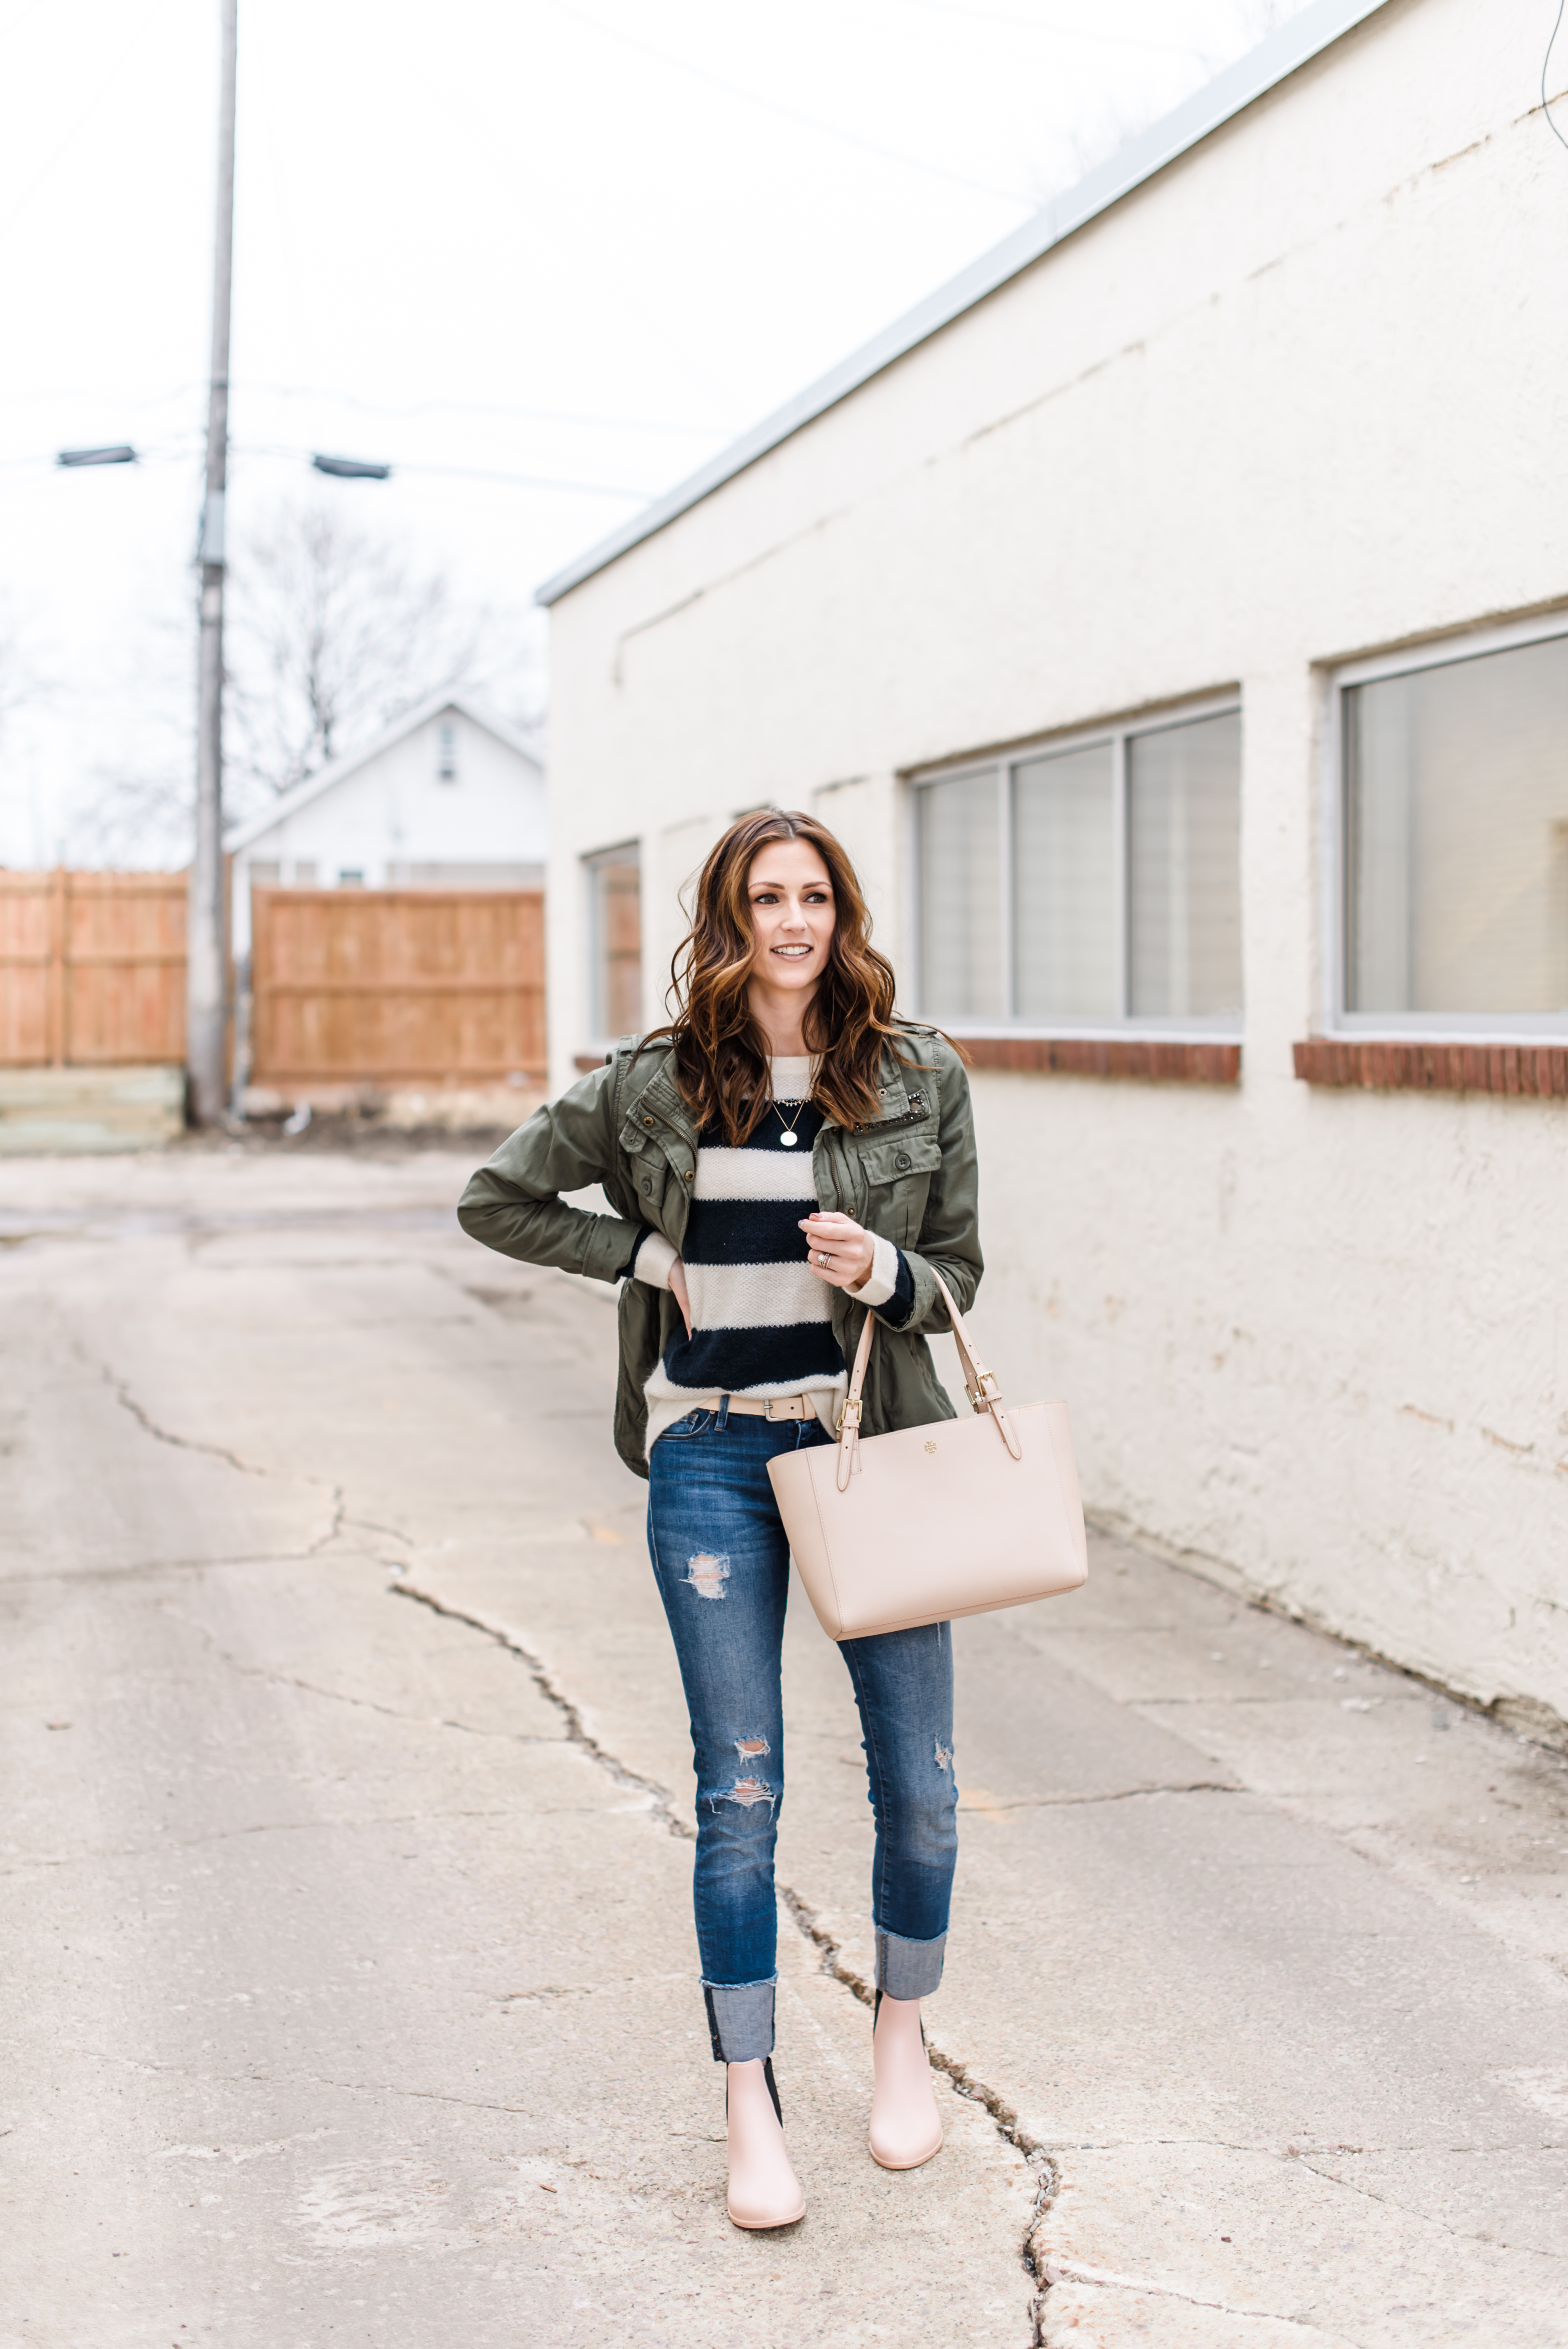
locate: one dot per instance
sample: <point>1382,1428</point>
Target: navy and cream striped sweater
<point>761,1321</point>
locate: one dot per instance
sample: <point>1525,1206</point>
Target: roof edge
<point>1314,29</point>
<point>337,770</point>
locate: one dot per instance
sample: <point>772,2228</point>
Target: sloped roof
<point>337,770</point>
<point>1311,30</point>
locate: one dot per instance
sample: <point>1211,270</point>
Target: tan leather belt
<point>796,1406</point>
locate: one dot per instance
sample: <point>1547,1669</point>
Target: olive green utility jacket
<point>909,1173</point>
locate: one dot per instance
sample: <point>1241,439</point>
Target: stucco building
<point>1171,615</point>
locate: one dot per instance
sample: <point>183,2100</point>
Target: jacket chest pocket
<point>894,1178</point>
<point>661,1193</point>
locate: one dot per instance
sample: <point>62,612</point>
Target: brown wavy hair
<point>721,1055</point>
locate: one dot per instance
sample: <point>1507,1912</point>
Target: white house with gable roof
<point>448,798</point>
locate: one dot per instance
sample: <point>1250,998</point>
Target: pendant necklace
<point>789,1139</point>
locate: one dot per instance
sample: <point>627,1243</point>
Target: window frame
<point>1185,1028</point>
<point>1438,652</point>
<point>621,852</point>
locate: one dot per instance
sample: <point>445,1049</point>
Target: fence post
<point>58,1036</point>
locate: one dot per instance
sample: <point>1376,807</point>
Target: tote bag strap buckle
<point>984,1392</point>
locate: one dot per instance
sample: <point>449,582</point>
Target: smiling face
<point>791,893</point>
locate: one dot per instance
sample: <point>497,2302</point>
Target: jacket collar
<point>899,1090</point>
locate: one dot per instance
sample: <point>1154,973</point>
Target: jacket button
<point>685,1174</point>
<point>649,1123</point>
<point>904,1161</point>
<point>648,1184</point>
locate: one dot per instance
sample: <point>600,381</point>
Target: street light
<point>352,468</point>
<point>122,453</point>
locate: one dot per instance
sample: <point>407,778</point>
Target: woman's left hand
<point>842,1252</point>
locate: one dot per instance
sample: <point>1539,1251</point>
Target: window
<point>447,751</point>
<point>1086,884</point>
<point>615,941</point>
<point>350,877</point>
<point>265,872</point>
<point>475,875</point>
<point>305,872</point>
<point>1453,813</point>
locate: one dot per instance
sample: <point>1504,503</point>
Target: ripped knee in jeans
<point>707,1571</point>
<point>748,1790</point>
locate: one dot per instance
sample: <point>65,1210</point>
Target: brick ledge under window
<point>1534,1070</point>
<point>1165,1062</point>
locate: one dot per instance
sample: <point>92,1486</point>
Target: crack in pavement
<point>1047,2177</point>
<point>1459,2234</point>
<point>270,2079</point>
<point>663,1803</point>
<point>120,1388</point>
<point>265,1672</point>
<point>96,1858</point>
<point>978,1809</point>
<point>325,1540</point>
<point>1108,2279</point>
<point>147,1568</point>
<point>391,1533</point>
<point>660,1800</point>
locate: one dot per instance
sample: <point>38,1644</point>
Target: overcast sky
<point>581,244</point>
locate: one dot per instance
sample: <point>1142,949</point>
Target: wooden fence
<point>393,985</point>
<point>92,968</point>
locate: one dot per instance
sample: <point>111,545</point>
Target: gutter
<point>1306,36</point>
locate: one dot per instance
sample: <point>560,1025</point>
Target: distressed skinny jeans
<point>722,1560</point>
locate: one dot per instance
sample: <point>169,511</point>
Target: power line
<point>788,113</point>
<point>474,474</point>
<point>1545,63</point>
<point>20,18</point>
<point>166,452</point>
<point>480,407</point>
<point>242,384</point>
<point>77,121</point>
<point>1081,33</point>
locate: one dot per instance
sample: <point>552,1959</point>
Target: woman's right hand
<point>678,1291</point>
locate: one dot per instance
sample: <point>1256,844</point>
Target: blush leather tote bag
<point>958,1517</point>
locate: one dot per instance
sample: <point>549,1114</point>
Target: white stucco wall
<point>1299,399</point>
<point>394,812</point>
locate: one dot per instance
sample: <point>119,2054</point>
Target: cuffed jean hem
<point>740,2019</point>
<point>909,1969</point>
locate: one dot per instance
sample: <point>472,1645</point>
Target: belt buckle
<point>769,1402</point>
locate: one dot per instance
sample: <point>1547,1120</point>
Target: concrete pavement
<point>346,1857</point>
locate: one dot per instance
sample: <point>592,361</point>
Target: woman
<point>782,1158</point>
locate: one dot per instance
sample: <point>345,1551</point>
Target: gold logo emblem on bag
<point>931,1447</point>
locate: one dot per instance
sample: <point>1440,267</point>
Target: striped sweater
<point>761,1320</point>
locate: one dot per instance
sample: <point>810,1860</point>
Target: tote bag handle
<point>979,1384</point>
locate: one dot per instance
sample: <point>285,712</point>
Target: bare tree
<point>1261,17</point>
<point>21,679</point>
<point>134,806</point>
<point>331,634</point>
<point>23,683</point>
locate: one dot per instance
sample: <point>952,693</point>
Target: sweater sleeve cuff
<point>881,1283</point>
<point>653,1260</point>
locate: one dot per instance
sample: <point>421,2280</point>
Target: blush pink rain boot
<point>906,2129</point>
<point>764,2190</point>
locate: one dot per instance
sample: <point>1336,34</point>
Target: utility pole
<point>207,936</point>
